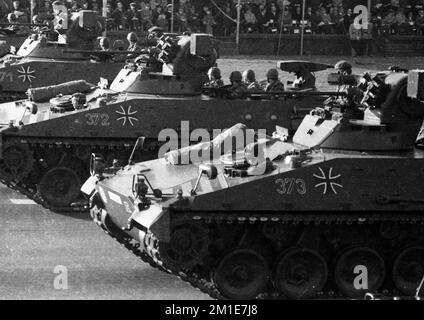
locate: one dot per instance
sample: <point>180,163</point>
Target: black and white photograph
<point>210,155</point>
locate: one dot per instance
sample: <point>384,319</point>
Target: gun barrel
<point>99,52</point>
<point>283,93</point>
<point>24,24</point>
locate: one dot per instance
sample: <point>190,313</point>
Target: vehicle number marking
<point>97,119</point>
<point>289,186</point>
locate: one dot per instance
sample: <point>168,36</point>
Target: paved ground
<point>34,241</point>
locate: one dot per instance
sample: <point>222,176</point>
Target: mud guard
<point>161,227</point>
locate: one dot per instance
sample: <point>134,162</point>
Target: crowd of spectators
<point>257,16</point>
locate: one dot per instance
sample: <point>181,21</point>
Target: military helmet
<point>343,66</point>
<point>132,37</point>
<point>155,29</point>
<point>78,100</point>
<point>272,74</point>
<point>119,44</point>
<point>104,42</point>
<point>215,73</point>
<point>236,76</point>
<point>36,19</point>
<point>11,17</point>
<point>249,75</point>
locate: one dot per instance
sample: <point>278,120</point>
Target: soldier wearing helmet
<point>274,84</point>
<point>104,44</point>
<point>343,67</point>
<point>119,45</point>
<point>155,32</point>
<point>237,88</point>
<point>133,47</point>
<point>215,80</point>
<point>79,101</point>
<point>249,79</point>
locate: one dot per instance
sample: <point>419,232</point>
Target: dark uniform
<point>237,89</point>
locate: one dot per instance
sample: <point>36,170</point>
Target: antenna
<point>130,160</point>
<point>417,293</point>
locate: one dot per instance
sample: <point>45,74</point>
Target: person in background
<point>20,13</point>
<point>262,18</point>
<point>118,15</point>
<point>209,22</point>
<point>181,19</point>
<point>250,21</point>
<point>389,22</point>
<point>193,19</point>
<point>273,18</point>
<point>133,17</point>
<point>367,38</point>
<point>160,18</point>
<point>419,22</point>
<point>355,36</point>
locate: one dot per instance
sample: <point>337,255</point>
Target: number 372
<point>98,119</point>
<point>290,186</point>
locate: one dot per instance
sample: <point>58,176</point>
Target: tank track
<point>150,257</point>
<point>31,192</point>
<point>208,287</point>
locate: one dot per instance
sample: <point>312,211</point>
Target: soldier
<point>249,79</point>
<point>155,32</point>
<point>119,45</point>
<point>133,40</point>
<point>237,88</point>
<point>133,47</point>
<point>104,44</point>
<point>79,101</point>
<point>215,80</point>
<point>274,84</point>
<point>343,68</point>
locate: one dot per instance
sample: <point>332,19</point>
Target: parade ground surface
<point>35,243</point>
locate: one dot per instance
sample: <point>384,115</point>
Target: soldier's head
<point>36,19</point>
<point>236,78</point>
<point>249,76</point>
<point>343,67</point>
<point>155,32</point>
<point>119,45</point>
<point>16,5</point>
<point>272,75</point>
<point>79,101</point>
<point>214,73</point>
<point>132,37</point>
<point>104,43</point>
<point>11,18</point>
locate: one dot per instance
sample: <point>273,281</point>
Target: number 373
<point>290,186</point>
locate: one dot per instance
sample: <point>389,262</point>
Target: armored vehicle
<point>49,57</point>
<point>335,213</point>
<point>46,140</point>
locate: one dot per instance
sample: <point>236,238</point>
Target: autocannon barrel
<point>99,52</point>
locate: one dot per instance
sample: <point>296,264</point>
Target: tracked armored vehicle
<point>49,57</point>
<point>335,213</point>
<point>46,143</point>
